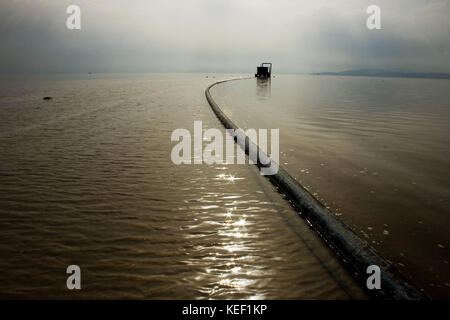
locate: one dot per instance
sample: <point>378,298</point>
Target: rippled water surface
<point>374,150</point>
<point>86,179</point>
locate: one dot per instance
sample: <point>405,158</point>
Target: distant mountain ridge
<point>384,73</point>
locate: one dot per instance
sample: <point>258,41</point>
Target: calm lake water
<point>86,179</point>
<point>374,150</point>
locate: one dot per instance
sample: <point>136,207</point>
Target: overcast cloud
<point>223,36</point>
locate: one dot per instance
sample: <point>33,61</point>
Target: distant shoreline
<point>386,74</point>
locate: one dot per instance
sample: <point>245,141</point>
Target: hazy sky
<point>223,35</point>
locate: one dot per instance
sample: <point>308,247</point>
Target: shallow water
<point>86,179</point>
<point>374,150</point>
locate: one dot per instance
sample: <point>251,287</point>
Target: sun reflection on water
<point>234,232</point>
<point>228,177</point>
<point>227,263</point>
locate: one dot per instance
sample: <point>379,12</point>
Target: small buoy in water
<point>47,98</point>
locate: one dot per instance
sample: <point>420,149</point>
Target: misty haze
<point>98,97</point>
